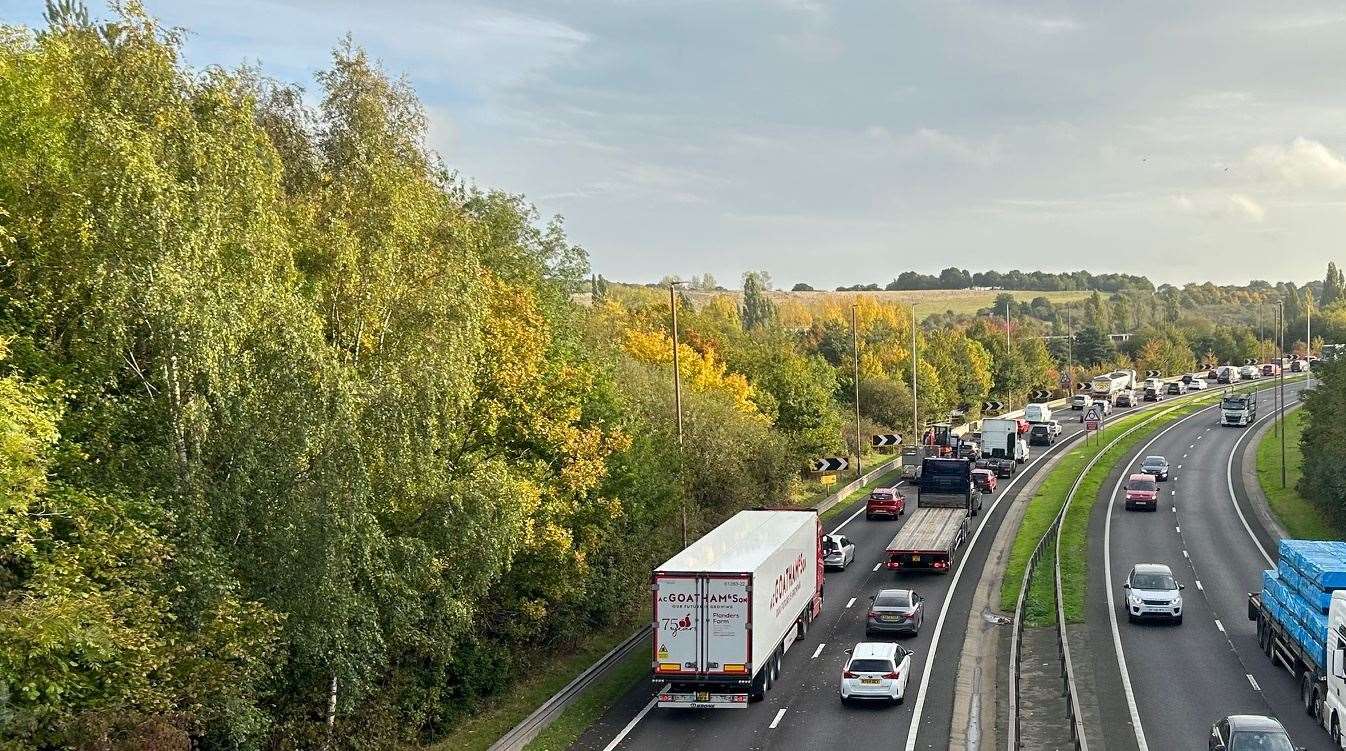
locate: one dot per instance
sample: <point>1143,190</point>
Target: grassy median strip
<point>1301,519</point>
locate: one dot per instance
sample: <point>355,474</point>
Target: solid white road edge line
<point>818,651</point>
<point>849,519</point>
<point>631,725</point>
<point>1229,483</point>
<point>1112,610</point>
<point>776,721</point>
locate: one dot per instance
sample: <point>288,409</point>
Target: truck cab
<point>1238,409</point>
<point>1003,446</point>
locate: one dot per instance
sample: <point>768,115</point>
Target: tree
<point>1092,346</point>
<point>801,287</point>
<point>758,310</point>
<point>1332,285</point>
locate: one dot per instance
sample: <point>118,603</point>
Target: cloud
<point>1221,206</point>
<point>1305,163</point>
<point>925,143</point>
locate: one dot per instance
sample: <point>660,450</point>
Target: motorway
<point>1161,685</point>
<point>804,710</point>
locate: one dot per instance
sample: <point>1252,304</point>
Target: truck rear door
<point>701,625</point>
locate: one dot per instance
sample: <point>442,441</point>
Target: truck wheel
<point>757,691</point>
<point>1336,732</point>
<point>1270,646</point>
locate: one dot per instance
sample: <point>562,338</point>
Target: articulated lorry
<point>1109,385</point>
<point>1301,623</point>
<point>730,604</point>
<point>946,500</point>
<point>1002,447</point>
<point>1238,409</point>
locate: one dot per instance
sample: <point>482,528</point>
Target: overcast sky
<point>850,141</point>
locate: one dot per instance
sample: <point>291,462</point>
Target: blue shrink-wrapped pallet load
<point>1321,562</point>
<point>1299,583</point>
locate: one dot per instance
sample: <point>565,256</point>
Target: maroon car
<point>984,479</point>
<point>885,502</point>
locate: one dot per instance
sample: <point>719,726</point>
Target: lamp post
<point>677,390</point>
<point>915,424</point>
<point>1280,388</point>
<point>855,351</point>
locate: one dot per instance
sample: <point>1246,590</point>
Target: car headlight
<point>1133,598</point>
<point>1177,601</point>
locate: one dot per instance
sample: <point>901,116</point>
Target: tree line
<point>1038,281</point>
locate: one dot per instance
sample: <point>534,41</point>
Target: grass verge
<point>600,697</point>
<point>507,709</point>
<point>1301,519</point>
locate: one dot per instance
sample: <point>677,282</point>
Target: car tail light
<point>893,675</point>
<point>665,697</point>
<point>873,616</point>
<point>847,674</point>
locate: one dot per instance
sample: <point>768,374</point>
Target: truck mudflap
<point>719,698</point>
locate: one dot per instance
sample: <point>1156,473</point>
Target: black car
<point>1126,399</point>
<point>1041,435</point>
<point>1155,465</point>
<point>1153,394</point>
<point>1249,731</point>
<point>1175,388</point>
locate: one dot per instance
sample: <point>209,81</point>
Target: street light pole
<point>855,347</point>
<point>915,424</point>
<point>1280,411</point>
<point>1308,344</point>
<point>1009,396</point>
<point>677,392</point>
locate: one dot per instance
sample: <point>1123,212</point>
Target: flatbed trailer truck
<point>946,501</point>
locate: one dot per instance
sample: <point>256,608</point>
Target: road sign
<point>991,406</point>
<point>831,464</point>
<point>1039,395</point>
<point>1249,361</point>
<point>1091,426</point>
<point>828,479</point>
<point>887,439</point>
<point>1064,380</point>
<point>1092,419</point>
<point>1152,374</point>
<point>1081,386</point>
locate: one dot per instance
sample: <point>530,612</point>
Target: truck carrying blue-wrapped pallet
<point>1321,562</point>
<point>1296,581</point>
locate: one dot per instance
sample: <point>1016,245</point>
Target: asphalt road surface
<point>1185,677</point>
<point>804,710</point>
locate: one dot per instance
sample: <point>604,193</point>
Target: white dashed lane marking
<point>776,721</point>
<point>852,602</point>
<point>818,651</point>
<point>1219,625</point>
<point>1253,681</point>
<point>1198,586</point>
<point>876,566</point>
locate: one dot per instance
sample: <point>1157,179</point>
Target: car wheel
<point>1130,618</point>
<point>1178,620</point>
<point>869,517</point>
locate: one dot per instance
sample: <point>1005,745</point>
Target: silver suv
<point>1152,592</point>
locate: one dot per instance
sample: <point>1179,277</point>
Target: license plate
<point>703,696</point>
<point>870,681</point>
<point>889,618</point>
<point>915,559</point>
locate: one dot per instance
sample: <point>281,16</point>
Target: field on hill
<point>928,301</point>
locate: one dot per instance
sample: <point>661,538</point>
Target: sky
<point>843,142</point>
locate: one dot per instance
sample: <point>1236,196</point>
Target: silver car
<point>838,551</point>
<point>895,610</point>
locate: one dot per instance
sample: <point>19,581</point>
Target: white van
<point>1038,413</point>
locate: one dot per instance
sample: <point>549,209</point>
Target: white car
<point>1196,384</point>
<point>838,551</point>
<point>1054,426</point>
<point>876,670</point>
<point>1152,592</point>
<point>1079,401</point>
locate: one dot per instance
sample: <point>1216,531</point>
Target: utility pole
<point>855,347</point>
<point>677,392</point>
<point>1280,411</point>
<point>1308,344</point>
<point>1009,396</point>
<point>1070,349</point>
<point>915,424</point>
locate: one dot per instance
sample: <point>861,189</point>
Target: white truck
<point>1109,385</point>
<point>729,605</point>
<point>1238,409</point>
<point>1038,413</point>
<point>1002,446</point>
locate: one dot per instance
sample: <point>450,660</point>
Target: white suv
<point>876,670</point>
<point>1152,592</point>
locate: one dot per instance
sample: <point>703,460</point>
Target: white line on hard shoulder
<point>631,725</point>
<point>818,651</point>
<point>852,602</point>
<point>776,721</point>
<point>849,519</point>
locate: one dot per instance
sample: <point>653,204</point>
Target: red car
<point>885,502</point>
<point>984,479</point>
<point>1142,492</point>
<point>1024,426</point>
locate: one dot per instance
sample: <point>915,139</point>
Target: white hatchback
<point>876,670</point>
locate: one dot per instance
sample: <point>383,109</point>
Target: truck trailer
<point>1301,624</point>
<point>1109,385</point>
<point>946,500</point>
<point>730,604</point>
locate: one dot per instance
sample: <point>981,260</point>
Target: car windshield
<point>870,666</point>
<point>1260,740</point>
<point>1153,461</point>
<point>1141,485</point>
<point>829,545</point>
<point>893,600</point>
<point>1153,581</point>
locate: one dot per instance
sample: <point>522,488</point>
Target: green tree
<point>1092,346</point>
<point>758,310</point>
<point>1332,285</point>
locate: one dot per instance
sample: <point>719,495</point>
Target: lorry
<point>1003,446</point>
<point>1238,409</point>
<point>729,605</point>
<point>946,500</point>
<point>1038,413</point>
<point>1107,386</point>
<point>1300,614</point>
